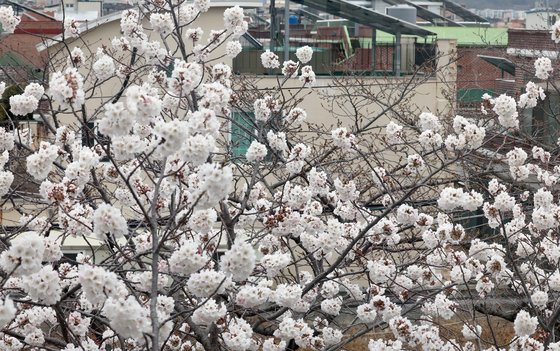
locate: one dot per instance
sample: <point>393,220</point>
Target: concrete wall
<point>88,6</point>
<point>320,112</point>
<point>541,20</point>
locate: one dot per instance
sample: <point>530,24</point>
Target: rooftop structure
<point>365,16</point>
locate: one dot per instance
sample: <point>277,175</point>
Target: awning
<point>501,62</point>
<point>365,16</point>
<point>253,41</point>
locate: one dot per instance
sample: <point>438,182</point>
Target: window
<point>242,132</point>
<point>69,257</point>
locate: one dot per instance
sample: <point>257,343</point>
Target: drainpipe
<point>286,30</point>
<point>373,49</point>
<point>397,68</point>
<point>272,25</point>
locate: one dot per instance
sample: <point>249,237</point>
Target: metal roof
<point>253,41</point>
<point>461,11</point>
<point>365,16</point>
<point>500,62</point>
<point>425,13</point>
<point>539,10</point>
<point>310,14</point>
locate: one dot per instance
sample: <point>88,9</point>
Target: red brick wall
<point>504,86</point>
<point>25,46</point>
<point>474,72</point>
<point>31,31</point>
<point>524,70</point>
<point>48,28</point>
<point>530,39</point>
<point>362,59</point>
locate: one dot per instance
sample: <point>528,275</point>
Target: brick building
<point>524,47</point>
<point>19,59</point>
<point>475,75</point>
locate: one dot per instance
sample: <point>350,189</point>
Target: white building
<point>541,18</point>
<point>77,10</point>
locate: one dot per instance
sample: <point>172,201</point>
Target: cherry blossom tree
<point>315,237</point>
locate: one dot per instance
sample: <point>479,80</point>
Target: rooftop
<point>365,16</point>
<point>539,10</point>
<point>466,36</point>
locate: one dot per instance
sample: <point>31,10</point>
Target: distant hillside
<point>504,4</point>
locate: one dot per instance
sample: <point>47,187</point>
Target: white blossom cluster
<point>234,21</point>
<point>270,60</point>
<point>162,23</point>
<point>506,109</point>
<point>304,54</point>
<point>28,102</point>
<point>127,317</point>
<point>40,163</point>
<point>468,135</point>
<point>8,19</point>
<point>191,249</point>
<point>256,152</point>
<point>71,28</point>
<point>452,198</point>
<point>555,32</point>
<point>187,259</point>
<point>296,117</point>
<point>532,94</point>
<point>66,88</point>
<point>24,256</point>
<point>109,220</point>
<point>185,77</point>
<point>307,76</point>
<point>103,67</point>
<point>233,48</point>
<point>265,107</point>
<point>343,139</point>
<point>543,68</point>
<point>290,69</point>
<point>394,133</point>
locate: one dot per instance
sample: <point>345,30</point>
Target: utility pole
<point>286,30</point>
<point>272,25</point>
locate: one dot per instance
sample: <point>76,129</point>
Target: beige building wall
<point>84,6</point>
<point>422,94</point>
